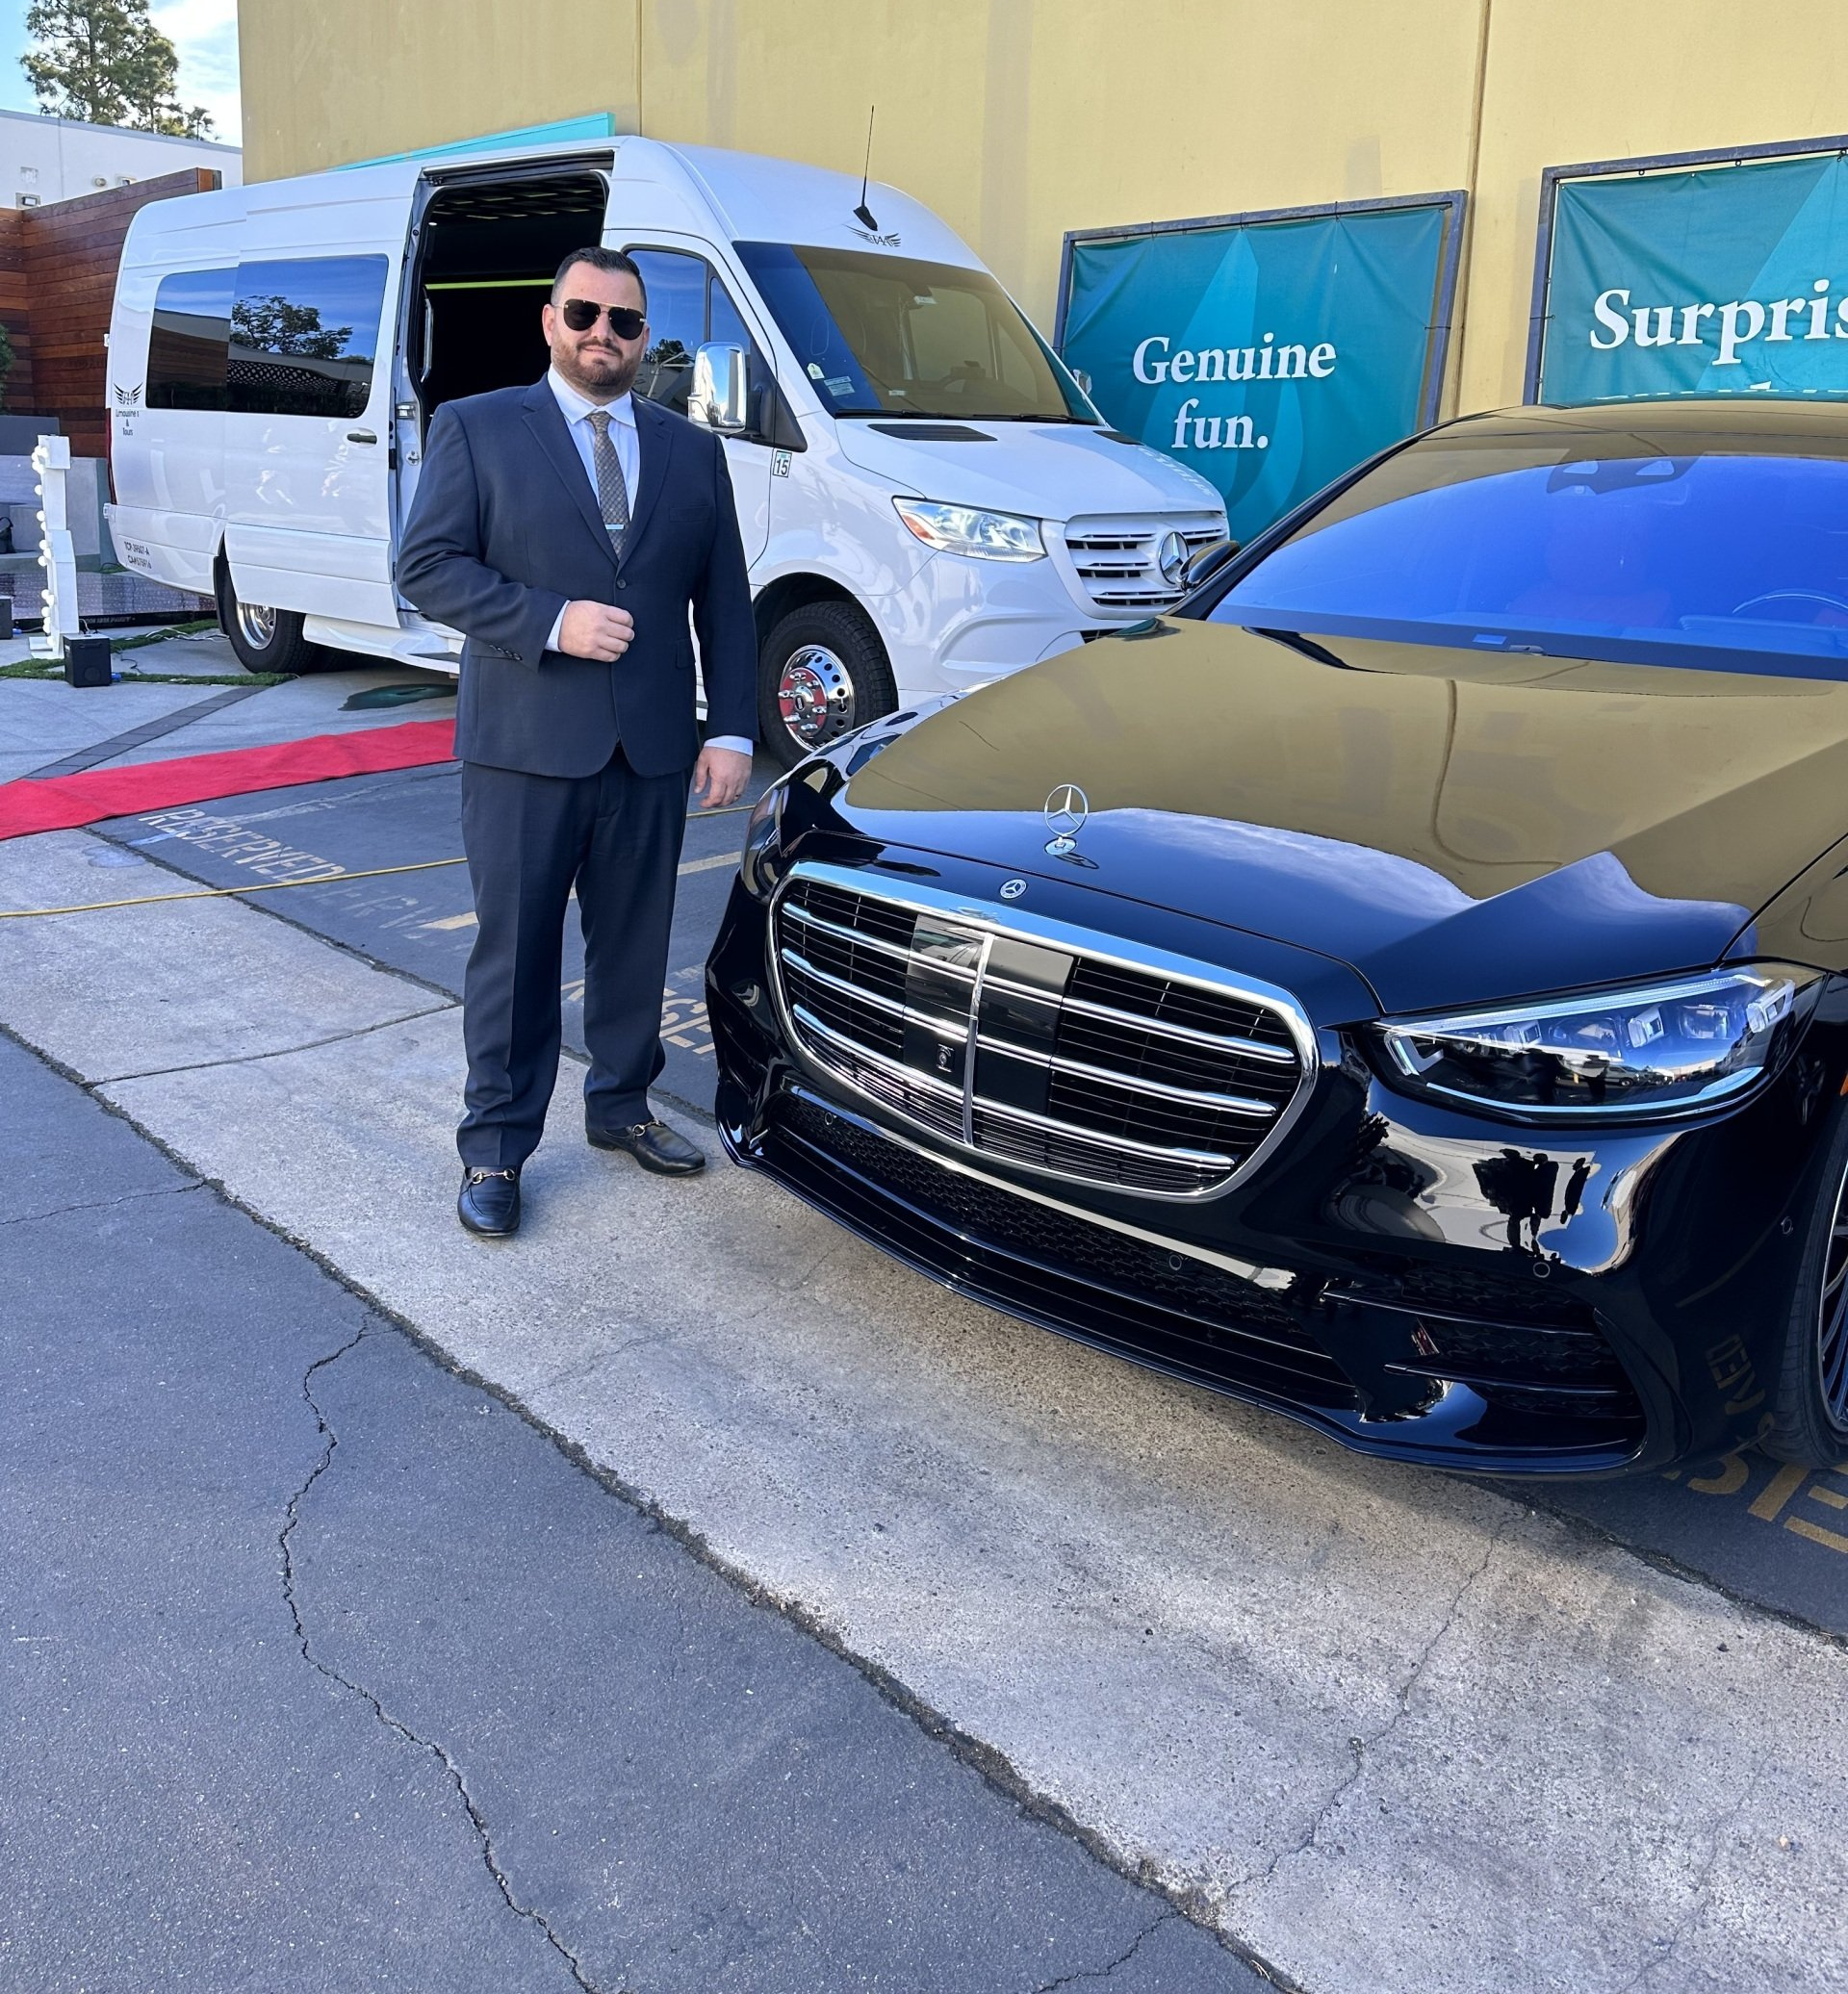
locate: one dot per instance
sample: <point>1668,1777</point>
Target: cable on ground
<point>382,871</point>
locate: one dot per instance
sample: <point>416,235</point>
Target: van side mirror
<point>720,397</point>
<point>1208,562</point>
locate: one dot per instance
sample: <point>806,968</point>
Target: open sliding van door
<point>308,431</point>
<point>485,242</point>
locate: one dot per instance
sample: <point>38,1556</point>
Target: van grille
<point>1118,560</point>
<point>1053,1058</point>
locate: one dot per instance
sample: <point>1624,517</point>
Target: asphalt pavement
<point>327,1670</point>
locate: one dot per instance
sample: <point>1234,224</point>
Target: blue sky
<point>204,31</point>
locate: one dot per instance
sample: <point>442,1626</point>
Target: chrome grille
<point>1118,560</point>
<point>1026,1041</point>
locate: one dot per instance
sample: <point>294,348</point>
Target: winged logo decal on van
<point>127,397</point>
<point>885,242</point>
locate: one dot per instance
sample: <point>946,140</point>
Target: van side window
<point>185,347</point>
<point>676,287</point>
<point>304,334</point>
<point>687,305</point>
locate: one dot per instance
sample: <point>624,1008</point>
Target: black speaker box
<point>87,662</point>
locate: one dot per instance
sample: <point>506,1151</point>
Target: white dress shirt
<point>577,410</point>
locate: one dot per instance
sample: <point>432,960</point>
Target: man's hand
<point>594,630</point>
<point>719,777</point>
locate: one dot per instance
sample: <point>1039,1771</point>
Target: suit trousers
<point>615,836</point>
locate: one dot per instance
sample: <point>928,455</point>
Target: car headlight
<point>960,530</point>
<point>761,864</point>
<point>1659,1049</point>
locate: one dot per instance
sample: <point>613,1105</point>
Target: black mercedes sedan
<point>1406,986</point>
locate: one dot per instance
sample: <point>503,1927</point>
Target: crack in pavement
<point>128,1197</point>
<point>279,1052</point>
<point>472,1808</point>
<point>1697,1894</point>
<point>589,1367</point>
<point>1362,1745</point>
<point>1103,1973</point>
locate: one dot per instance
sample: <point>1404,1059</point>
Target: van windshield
<point>890,336</point>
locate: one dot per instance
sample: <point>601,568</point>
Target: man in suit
<point>565,530</point>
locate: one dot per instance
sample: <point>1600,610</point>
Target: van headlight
<point>761,864</point>
<point>1657,1049</point>
<point>960,530</point>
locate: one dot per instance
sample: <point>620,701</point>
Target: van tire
<point>270,640</point>
<point>822,672</point>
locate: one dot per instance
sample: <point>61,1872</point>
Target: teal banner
<point>1268,353</point>
<point>595,125</point>
<point>1724,280</point>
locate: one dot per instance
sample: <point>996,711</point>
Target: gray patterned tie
<point>612,494</point>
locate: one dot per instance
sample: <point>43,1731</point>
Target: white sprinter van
<point>927,497</point>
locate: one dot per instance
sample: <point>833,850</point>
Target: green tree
<point>6,364</point>
<point>272,324</point>
<point>106,62</point>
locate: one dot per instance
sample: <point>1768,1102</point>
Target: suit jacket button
<point>620,583</point>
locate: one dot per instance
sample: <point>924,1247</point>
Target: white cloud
<point>204,33</point>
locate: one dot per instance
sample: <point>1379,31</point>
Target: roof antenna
<point>863,213</point>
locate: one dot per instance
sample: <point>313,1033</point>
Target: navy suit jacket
<point>505,530</point>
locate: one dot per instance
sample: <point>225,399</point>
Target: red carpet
<point>64,802</point>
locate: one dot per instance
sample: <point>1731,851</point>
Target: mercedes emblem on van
<point>1173,557</point>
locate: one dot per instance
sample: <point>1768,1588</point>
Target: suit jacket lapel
<point>547,421</point>
<point>653,446</point>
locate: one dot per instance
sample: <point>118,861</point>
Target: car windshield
<point>1503,544</point>
<point>890,336</point>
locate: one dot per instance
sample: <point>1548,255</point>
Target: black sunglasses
<point>580,314</point>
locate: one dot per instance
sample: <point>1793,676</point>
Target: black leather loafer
<point>489,1203</point>
<point>654,1145</point>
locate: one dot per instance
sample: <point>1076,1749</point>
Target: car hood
<point>1458,828</point>
<point>1055,471</point>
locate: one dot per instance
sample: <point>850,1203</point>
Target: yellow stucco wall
<point>338,80</point>
<point>1018,120</point>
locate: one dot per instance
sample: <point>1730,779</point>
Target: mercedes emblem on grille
<point>1173,556</point>
<point>1066,809</point>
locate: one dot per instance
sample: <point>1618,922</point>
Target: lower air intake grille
<point>1115,1289</point>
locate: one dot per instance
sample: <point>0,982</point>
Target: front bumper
<point>1372,1278</point>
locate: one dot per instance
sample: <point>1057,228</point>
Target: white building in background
<point>45,160</point>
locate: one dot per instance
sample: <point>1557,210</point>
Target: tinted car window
<point>723,321</point>
<point>304,335</point>
<point>187,346</point>
<point>676,286</point>
<point>687,305</point>
<point>1495,544</point>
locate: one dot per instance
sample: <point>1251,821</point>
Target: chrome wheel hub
<point>1831,1316</point>
<point>256,626</point>
<point>815,696</point>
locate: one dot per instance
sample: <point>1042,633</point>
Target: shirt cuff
<point>557,629</point>
<point>737,743</point>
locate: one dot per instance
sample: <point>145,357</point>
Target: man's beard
<point>613,375</point>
